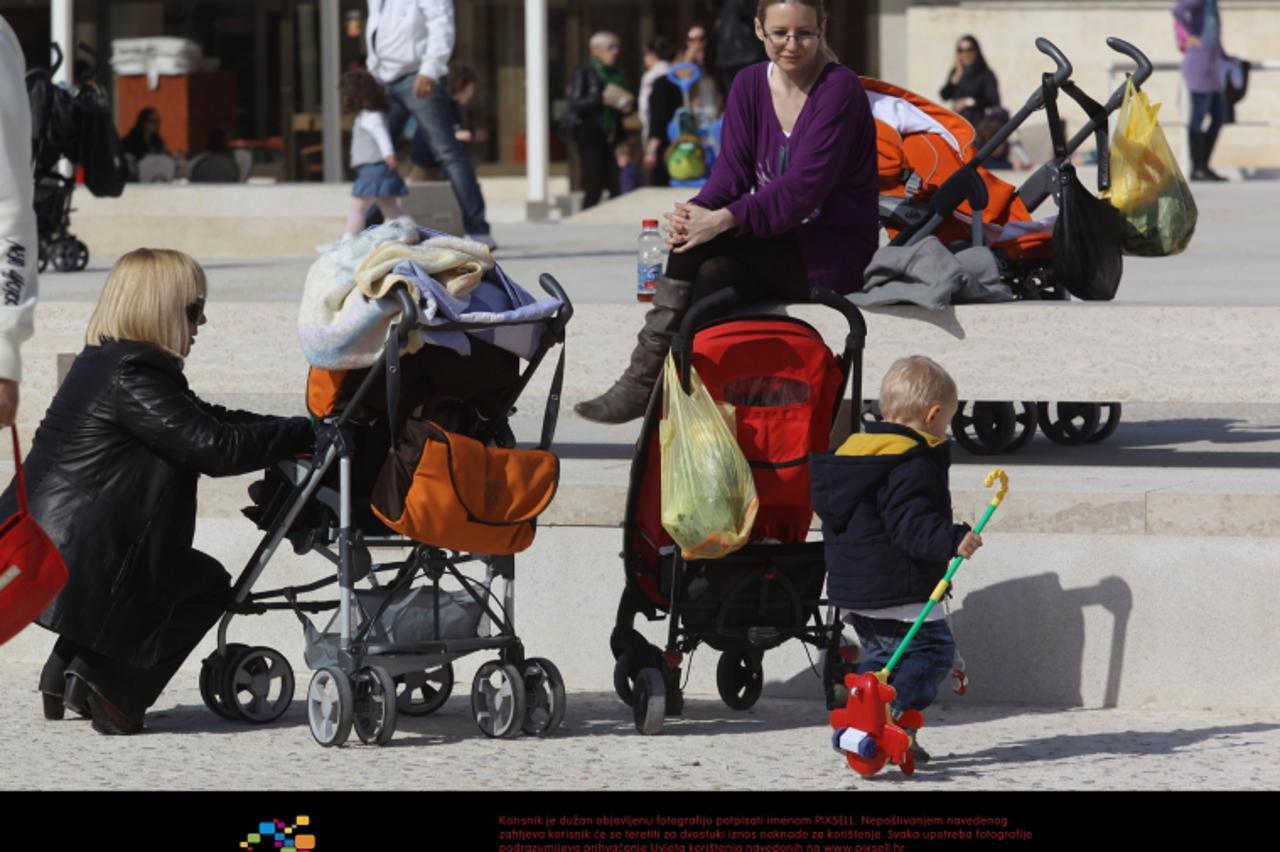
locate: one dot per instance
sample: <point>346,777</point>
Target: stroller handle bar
<point>57,58</point>
<point>726,300</point>
<point>1049,49</point>
<point>1139,58</point>
<point>549,283</point>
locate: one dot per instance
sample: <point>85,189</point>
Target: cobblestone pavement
<point>779,745</point>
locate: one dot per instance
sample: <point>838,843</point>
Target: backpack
<point>100,151</point>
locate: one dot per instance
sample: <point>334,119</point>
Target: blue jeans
<point>1212,105</point>
<point>435,119</point>
<point>921,670</point>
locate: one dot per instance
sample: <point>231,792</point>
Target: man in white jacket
<point>19,242</point>
<point>410,42</point>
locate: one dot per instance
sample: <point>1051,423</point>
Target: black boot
<point>1210,140</point>
<point>629,396</point>
<point>1199,143</point>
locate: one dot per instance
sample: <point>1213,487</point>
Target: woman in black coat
<point>971,87</point>
<point>111,477</point>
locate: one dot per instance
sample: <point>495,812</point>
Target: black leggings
<point>758,268</point>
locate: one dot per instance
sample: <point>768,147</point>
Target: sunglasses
<point>195,312</point>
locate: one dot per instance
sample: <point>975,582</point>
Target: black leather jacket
<point>584,118</point>
<point>111,477</point>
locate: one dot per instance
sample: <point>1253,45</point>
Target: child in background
<point>630,175</point>
<point>885,505</point>
<point>462,90</point>
<point>372,154</point>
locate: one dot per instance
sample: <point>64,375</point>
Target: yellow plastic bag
<point>1147,187</point>
<point>708,496</point>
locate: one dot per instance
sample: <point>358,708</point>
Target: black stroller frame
<point>355,686</point>
<point>986,427</point>
<point>1028,280</point>
<point>649,679</point>
<point>52,197</point>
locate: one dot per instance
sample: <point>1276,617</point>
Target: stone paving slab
<point>780,744</point>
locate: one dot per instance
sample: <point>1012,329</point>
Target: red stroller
<point>786,386</point>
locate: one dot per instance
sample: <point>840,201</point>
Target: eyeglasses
<point>804,38</point>
<point>966,50</point>
<point>195,312</point>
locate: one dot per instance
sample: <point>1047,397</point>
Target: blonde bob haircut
<point>913,384</point>
<point>146,298</point>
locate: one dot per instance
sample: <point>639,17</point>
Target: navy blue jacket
<point>886,518</point>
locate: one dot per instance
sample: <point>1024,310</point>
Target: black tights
<point>758,268</point>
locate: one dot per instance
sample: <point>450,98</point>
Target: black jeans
<point>757,267</point>
<point>132,688</point>
<point>599,169</point>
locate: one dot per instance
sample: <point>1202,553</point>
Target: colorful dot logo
<point>275,835</point>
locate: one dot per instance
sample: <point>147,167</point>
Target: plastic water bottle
<point>651,260</point>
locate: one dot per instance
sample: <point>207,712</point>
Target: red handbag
<point>31,569</point>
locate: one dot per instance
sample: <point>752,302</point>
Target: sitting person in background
<point>216,163</point>
<point>629,174</point>
<point>1009,154</point>
<point>111,477</point>
<point>144,138</point>
<point>971,87</point>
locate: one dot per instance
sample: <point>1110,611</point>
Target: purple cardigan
<point>821,182</point>
<point>1200,64</point>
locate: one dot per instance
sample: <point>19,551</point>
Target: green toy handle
<point>945,583</point>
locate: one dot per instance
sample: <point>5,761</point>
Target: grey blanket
<point>929,275</point>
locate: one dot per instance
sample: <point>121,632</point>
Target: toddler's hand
<point>390,160</point>
<point>969,545</point>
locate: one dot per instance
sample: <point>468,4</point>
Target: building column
<point>62,17</point>
<point>330,57</point>
<point>537,109</point>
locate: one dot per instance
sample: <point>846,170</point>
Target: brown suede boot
<point>629,396</point>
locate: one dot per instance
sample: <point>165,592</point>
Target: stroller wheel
<point>984,428</point>
<point>498,699</point>
<point>545,690</point>
<point>374,708</point>
<point>1113,420</point>
<point>740,678</point>
<point>650,702</point>
<point>622,679</point>
<point>1025,420</point>
<point>423,693</point>
<point>211,670</point>
<point>871,411</point>
<point>257,683</point>
<point>1074,424</point>
<point>68,254</point>
<point>330,706</point>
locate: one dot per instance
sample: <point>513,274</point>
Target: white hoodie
<point>19,242</point>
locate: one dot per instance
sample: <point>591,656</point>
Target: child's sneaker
<point>917,751</point>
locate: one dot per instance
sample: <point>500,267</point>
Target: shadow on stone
<point>1023,640</point>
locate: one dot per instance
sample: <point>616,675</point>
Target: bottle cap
<point>649,223</point>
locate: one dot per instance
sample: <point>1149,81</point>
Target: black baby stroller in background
<point>78,128</point>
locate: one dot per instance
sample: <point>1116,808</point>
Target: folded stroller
<point>80,129</point>
<point>413,453</point>
<point>786,387</point>
<point>932,180</point>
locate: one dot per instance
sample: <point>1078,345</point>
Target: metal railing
<point>1181,145</point>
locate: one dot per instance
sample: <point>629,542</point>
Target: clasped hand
<point>689,226</point>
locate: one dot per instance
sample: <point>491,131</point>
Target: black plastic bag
<point>1087,234</point>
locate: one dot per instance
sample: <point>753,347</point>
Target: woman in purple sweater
<point>791,202</point>
<point>1202,74</point>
